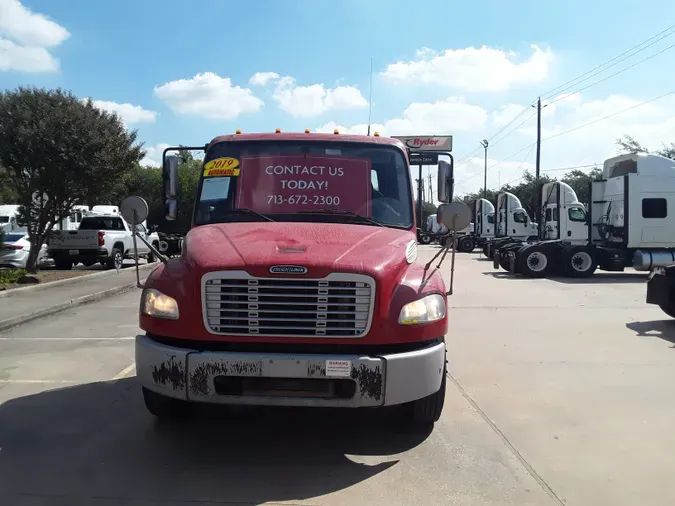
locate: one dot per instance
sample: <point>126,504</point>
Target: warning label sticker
<point>338,368</point>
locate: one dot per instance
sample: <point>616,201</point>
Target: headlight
<point>155,303</point>
<point>428,309</point>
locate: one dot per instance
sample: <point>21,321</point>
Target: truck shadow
<point>96,442</point>
<point>605,278</point>
<point>663,329</point>
<point>501,274</point>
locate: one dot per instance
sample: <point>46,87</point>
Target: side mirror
<point>171,209</point>
<point>170,176</point>
<point>445,181</point>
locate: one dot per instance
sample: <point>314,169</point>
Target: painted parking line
<point>125,373</point>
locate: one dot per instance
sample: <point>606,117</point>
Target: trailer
<point>626,224</point>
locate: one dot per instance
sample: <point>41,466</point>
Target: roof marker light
<point>377,134</point>
<point>336,131</point>
<point>306,130</point>
<point>238,131</point>
<point>277,131</point>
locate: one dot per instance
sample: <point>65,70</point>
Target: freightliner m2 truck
<point>297,284</point>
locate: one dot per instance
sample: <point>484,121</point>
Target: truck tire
<point>533,261</point>
<point>162,406</point>
<point>466,245</point>
<point>425,239</point>
<point>151,255</point>
<point>579,262</point>
<point>427,410</point>
<point>116,258</point>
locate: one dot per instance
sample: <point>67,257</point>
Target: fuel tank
<point>645,260</point>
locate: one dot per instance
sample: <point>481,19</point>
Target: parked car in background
<point>15,250</point>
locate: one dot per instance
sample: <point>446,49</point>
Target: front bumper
<point>358,380</point>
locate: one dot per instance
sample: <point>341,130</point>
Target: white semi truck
<point>627,223</point>
<point>513,224</point>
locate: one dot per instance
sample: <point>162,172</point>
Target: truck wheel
<point>162,406</point>
<point>504,260</point>
<point>533,261</point>
<point>426,411</point>
<point>151,255</point>
<point>466,245</point>
<point>579,262</point>
<point>425,239</point>
<point>115,259</point>
<point>63,265</point>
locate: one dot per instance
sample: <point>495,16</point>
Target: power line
<point>596,70</point>
<point>614,74</point>
<point>521,164</point>
<point>608,116</point>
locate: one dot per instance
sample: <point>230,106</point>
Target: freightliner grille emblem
<point>288,269</point>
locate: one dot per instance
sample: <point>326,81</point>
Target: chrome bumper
<point>378,380</point>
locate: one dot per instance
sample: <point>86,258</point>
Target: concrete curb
<point>72,281</point>
<point>79,301</point>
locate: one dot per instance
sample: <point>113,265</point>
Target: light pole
<point>484,143</point>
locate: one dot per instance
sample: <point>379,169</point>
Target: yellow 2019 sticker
<point>221,167</point>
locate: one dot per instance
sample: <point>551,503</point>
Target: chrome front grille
<point>339,305</point>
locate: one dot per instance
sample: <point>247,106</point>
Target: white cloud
<point>153,155</point>
<point>263,78</point>
<point>25,37</point>
<point>208,95</point>
<point>129,113</point>
<point>314,100</point>
<point>447,116</point>
<point>472,69</point>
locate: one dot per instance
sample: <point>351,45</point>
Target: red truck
<point>297,283</point>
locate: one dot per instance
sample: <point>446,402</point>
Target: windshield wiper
<point>243,210</point>
<point>341,211</point>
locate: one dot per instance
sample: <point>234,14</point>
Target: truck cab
<point>298,283</point>
<point>564,216</point>
<point>484,217</point>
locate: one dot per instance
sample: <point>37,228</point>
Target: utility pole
<point>538,167</point>
<point>431,190</point>
<point>484,143</point>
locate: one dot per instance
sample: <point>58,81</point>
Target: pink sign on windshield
<point>292,183</point>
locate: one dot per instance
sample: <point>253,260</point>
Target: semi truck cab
<point>298,283</point>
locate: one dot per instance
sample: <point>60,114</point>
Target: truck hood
<point>320,247</point>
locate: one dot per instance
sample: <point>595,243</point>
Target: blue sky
<point>124,51</point>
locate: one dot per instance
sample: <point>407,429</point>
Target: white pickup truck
<point>103,238</point>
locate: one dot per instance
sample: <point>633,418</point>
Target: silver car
<point>15,250</point>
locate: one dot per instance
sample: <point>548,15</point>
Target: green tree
<point>427,210</point>
<point>628,145</point>
<point>59,151</point>
<point>7,194</point>
<point>580,182</point>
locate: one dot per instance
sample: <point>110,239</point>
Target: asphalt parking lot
<point>561,393</point>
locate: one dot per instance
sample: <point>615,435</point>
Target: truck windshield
<point>4,219</point>
<point>305,181</point>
